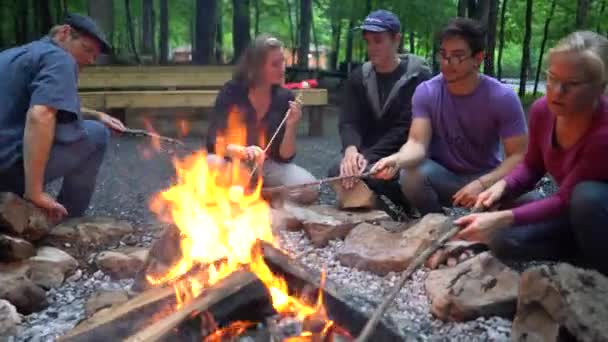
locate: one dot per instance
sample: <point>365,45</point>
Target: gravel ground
<point>132,173</point>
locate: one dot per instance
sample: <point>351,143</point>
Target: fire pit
<point>225,280</point>
<point>241,297</point>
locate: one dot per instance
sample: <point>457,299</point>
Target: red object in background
<point>303,84</point>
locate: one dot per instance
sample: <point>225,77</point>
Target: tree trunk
<point>349,44</point>
<point>539,64</point>
<point>501,37</point>
<point>206,25</point>
<point>257,17</point>
<point>305,25</point>
<point>163,37</point>
<point>525,55</point>
<point>59,11</point>
<point>336,34</point>
<point>412,42</point>
<point>472,8</point>
<point>219,43</point>
<point>462,8</point>
<point>368,7</point>
<point>43,19</point>
<point>292,33</point>
<point>21,27</point>
<point>314,39</point>
<point>130,31</point>
<point>582,11</point>
<point>102,11</point>
<point>599,23</point>
<point>241,27</point>
<point>147,46</point>
<point>492,21</point>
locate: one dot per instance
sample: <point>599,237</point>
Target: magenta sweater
<point>586,160</point>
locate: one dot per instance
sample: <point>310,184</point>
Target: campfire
<point>221,275</point>
<point>221,222</point>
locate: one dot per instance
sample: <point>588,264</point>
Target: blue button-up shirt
<point>38,73</point>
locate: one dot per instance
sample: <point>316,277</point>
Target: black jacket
<point>233,98</point>
<point>377,136</point>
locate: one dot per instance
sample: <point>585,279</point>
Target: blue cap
<point>381,21</point>
<point>86,25</point>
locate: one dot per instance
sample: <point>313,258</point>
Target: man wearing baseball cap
<point>43,134</point>
<point>376,108</point>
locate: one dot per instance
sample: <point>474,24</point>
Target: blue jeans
<point>579,236</point>
<point>77,163</point>
<point>430,186</point>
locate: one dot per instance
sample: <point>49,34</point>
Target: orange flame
<point>220,224</point>
<point>183,127</point>
<point>155,138</point>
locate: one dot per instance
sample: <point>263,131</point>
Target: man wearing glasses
<point>376,107</point>
<point>461,117</point>
<point>42,132</point>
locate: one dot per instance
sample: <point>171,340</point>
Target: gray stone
<point>561,298</point>
<point>373,248</point>
<point>87,232</point>
<point>9,319</point>
<point>15,249</point>
<point>323,223</point>
<point>21,218</point>
<point>50,266</point>
<point>18,289</point>
<point>479,287</point>
<point>103,299</point>
<point>118,265</point>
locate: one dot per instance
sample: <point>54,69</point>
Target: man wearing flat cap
<point>43,133</point>
<point>376,106</point>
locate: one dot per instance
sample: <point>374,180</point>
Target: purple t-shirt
<point>467,130</point>
<point>585,160</point>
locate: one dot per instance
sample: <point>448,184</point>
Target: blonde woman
<point>569,141</point>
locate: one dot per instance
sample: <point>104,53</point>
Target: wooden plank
<point>127,312</point>
<point>153,80</point>
<point>175,98</point>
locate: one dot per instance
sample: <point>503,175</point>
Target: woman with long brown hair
<point>256,95</point>
<point>569,141</point>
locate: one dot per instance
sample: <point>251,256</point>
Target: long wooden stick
<point>317,182</point>
<point>276,132</point>
<point>419,261</point>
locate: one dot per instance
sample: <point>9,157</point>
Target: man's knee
<point>98,134</point>
<point>415,178</point>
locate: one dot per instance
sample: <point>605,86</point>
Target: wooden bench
<point>117,88</point>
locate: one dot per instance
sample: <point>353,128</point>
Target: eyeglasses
<point>451,60</point>
<point>565,86</point>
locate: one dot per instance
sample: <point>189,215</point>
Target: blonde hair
<point>592,47</point>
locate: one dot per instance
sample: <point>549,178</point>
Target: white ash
<point>66,306</point>
<point>411,310</point>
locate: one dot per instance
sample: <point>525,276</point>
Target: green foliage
<point>421,17</point>
<point>529,98</point>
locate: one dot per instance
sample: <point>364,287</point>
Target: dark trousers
<point>77,163</point>
<point>580,236</point>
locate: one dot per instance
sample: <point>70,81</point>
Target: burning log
<point>227,287</point>
<point>152,315</point>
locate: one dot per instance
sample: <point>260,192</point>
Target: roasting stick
<point>317,182</point>
<point>421,259</point>
<point>276,132</point>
